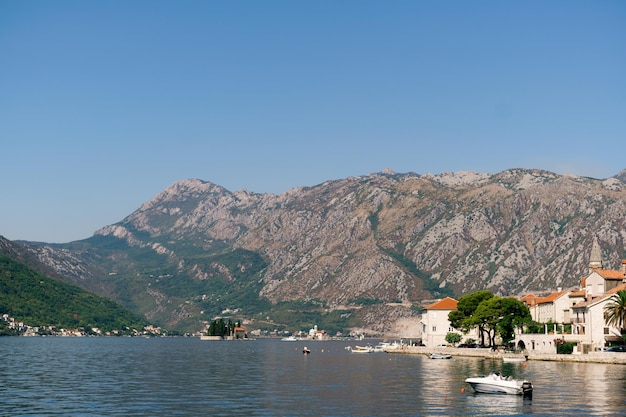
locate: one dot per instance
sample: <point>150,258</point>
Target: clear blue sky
<point>105,104</point>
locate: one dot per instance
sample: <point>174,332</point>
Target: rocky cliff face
<point>386,236</point>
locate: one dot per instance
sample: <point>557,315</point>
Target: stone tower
<point>595,261</point>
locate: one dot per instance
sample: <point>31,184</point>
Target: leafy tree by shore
<point>463,317</point>
<point>491,315</point>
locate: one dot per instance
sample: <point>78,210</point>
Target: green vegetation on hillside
<point>37,300</point>
<point>235,284</point>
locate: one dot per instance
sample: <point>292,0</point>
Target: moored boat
<point>496,383</point>
<point>440,356</point>
<point>361,349</point>
<point>380,347</point>
<point>514,358</point>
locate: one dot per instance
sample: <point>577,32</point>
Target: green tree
<point>462,318</point>
<point>217,328</point>
<point>615,312</point>
<point>514,314</point>
<point>500,316</point>
<point>453,338</point>
<point>5,331</point>
<point>486,317</point>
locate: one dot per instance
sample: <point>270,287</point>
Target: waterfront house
<point>601,281</point>
<point>435,323</point>
<point>588,320</point>
<point>554,307</point>
<point>588,313</point>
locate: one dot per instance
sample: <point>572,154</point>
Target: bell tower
<point>595,261</point>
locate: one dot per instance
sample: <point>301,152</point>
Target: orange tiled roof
<point>551,297</point>
<point>579,293</point>
<point>529,299</point>
<point>447,303</point>
<point>528,296</point>
<point>611,274</point>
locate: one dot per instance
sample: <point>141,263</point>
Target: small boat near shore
<point>515,358</point>
<point>289,339</point>
<point>440,356</point>
<point>496,383</point>
<point>380,347</point>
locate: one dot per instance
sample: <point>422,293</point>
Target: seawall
<point>618,358</point>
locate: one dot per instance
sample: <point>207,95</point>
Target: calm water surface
<point>188,377</point>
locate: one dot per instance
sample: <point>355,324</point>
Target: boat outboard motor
<point>527,389</point>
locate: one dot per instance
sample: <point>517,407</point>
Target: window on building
<point>606,330</point>
<point>434,329</point>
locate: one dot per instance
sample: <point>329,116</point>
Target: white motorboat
<point>289,339</point>
<point>380,347</point>
<point>496,383</point>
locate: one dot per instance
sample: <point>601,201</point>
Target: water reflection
<point>495,404</point>
<point>147,377</point>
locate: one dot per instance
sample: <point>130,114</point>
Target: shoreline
<point>614,358</point>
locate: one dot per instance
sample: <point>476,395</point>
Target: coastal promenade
<point>618,358</point>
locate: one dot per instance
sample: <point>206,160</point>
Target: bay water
<point>108,376</point>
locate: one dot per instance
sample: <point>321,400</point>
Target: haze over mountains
<point>371,245</point>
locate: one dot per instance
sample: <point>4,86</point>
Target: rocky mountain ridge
<point>394,238</point>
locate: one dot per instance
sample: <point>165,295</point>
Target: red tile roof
<point>551,297</point>
<point>529,299</point>
<point>611,274</point>
<point>579,293</point>
<point>445,304</point>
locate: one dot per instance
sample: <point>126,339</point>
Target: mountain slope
<point>381,238</point>
<point>33,298</point>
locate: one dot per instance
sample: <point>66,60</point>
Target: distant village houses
<point>575,315</point>
<point>23,329</point>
